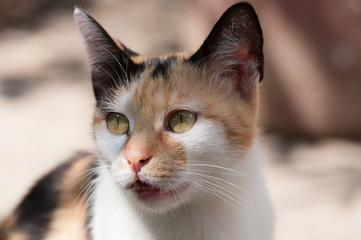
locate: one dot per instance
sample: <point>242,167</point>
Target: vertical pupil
<point>117,118</point>
<point>181,118</point>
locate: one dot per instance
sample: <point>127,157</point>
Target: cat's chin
<point>155,199</point>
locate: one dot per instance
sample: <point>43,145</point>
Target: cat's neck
<point>241,215</point>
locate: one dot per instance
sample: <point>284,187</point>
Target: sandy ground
<point>46,106</point>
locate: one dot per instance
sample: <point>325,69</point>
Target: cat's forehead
<point>171,82</point>
<point>166,83</point>
<point>159,66</point>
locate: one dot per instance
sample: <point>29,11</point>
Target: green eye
<point>117,123</point>
<point>182,121</point>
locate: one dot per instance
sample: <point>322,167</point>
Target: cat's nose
<point>137,159</point>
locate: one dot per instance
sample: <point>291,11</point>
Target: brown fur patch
<point>69,220</point>
<point>7,225</point>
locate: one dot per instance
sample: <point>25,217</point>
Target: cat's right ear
<point>110,61</point>
<point>233,49</point>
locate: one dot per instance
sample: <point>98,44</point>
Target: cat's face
<point>218,126</point>
<point>165,127</point>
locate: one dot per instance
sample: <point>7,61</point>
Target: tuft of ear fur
<point>109,60</point>
<point>233,49</point>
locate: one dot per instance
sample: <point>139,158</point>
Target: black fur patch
<point>35,211</point>
<point>161,66</point>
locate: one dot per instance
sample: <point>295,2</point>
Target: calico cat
<point>177,154</point>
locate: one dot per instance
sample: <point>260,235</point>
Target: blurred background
<point>311,96</point>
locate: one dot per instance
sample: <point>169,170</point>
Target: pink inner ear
<point>239,65</point>
<point>243,52</point>
<point>245,77</point>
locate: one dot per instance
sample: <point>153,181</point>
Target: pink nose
<point>137,158</point>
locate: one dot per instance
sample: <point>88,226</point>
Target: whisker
<point>89,187</point>
<point>224,189</point>
<point>222,181</point>
<point>83,193</point>
<point>204,164</point>
<point>182,220</point>
<point>90,192</point>
<point>87,172</point>
<point>212,191</point>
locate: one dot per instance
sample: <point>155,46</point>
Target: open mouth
<point>145,191</point>
<point>148,192</point>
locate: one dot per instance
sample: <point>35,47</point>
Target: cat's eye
<point>117,123</point>
<point>182,121</point>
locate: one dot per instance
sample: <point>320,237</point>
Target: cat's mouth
<point>146,192</point>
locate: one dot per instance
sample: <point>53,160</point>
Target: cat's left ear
<point>110,61</point>
<point>233,49</point>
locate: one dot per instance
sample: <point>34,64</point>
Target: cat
<point>177,153</point>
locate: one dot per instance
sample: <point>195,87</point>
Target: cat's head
<point>165,127</point>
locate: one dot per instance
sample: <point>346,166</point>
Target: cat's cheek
<point>206,137</point>
<point>121,172</point>
<point>205,143</point>
<point>109,144</point>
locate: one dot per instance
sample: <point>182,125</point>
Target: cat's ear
<point>110,61</point>
<point>233,49</point>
